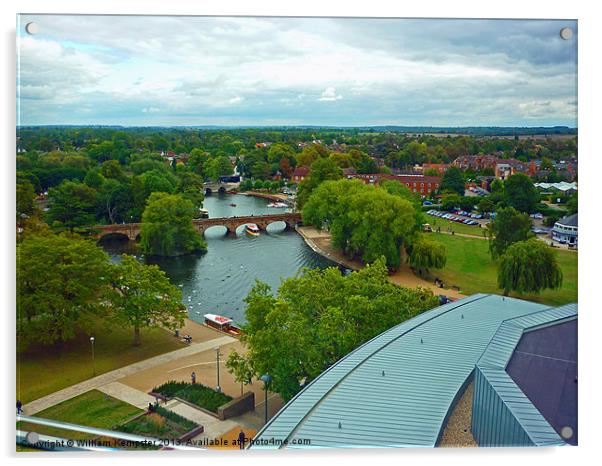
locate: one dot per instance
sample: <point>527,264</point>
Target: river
<point>217,282</point>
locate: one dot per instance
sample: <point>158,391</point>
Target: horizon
<point>166,71</point>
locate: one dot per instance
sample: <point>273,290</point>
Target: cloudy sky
<point>315,71</point>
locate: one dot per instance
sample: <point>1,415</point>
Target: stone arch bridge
<point>132,230</point>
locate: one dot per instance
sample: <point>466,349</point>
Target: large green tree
<point>142,296</point>
<point>218,166</point>
<point>60,283</point>
<point>529,267</point>
<point>167,228</point>
<point>25,200</point>
<point>426,254</point>
<point>509,226</point>
<point>72,206</point>
<point>319,317</point>
<point>321,170</point>
<point>453,181</point>
<point>520,193</point>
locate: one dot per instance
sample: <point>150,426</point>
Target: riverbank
<point>271,197</point>
<point>321,243</point>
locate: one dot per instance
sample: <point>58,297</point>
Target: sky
<point>167,71</point>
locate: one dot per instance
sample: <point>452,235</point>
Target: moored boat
<point>221,323</point>
<point>252,229</point>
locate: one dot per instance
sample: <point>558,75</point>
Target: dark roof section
<point>544,366</point>
<point>570,221</point>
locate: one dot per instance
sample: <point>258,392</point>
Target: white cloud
<point>330,94</point>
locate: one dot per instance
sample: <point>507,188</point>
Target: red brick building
<point>300,174</point>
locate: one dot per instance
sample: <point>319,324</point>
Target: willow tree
<point>529,267</point>
<point>426,253</point>
<point>167,228</point>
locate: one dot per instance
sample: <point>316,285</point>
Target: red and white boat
<point>221,323</point>
<point>252,229</point>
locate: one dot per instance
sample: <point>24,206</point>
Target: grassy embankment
<point>42,370</point>
<point>470,267</point>
<point>93,409</point>
<point>474,230</point>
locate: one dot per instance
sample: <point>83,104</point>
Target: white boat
<point>278,205</point>
<point>252,229</point>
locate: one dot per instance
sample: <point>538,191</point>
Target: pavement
<point>113,376</point>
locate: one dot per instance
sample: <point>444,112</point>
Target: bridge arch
<point>106,237</point>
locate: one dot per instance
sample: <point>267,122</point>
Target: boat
<point>221,323</point>
<point>252,229</point>
<point>232,205</point>
<point>278,205</point>
<point>203,213</point>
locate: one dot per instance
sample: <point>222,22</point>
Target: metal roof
<point>397,389</point>
<point>569,221</point>
<point>494,361</point>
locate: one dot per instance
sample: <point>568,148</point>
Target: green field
<point>42,370</point>
<point>469,266</point>
<point>445,225</point>
<point>93,409</point>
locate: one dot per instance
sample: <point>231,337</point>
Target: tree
<point>572,204</point>
<point>529,267</point>
<point>426,253</point>
<point>72,206</point>
<point>25,200</point>
<point>142,296</point>
<point>453,181</point>
<point>321,170</point>
<point>219,166</point>
<point>319,317</point>
<point>485,205</point>
<point>520,193</point>
<point>241,368</point>
<point>167,227</point>
<point>60,282</point>
<point>450,202</point>
<point>364,221</point>
<point>509,226</point>
<point>190,185</point>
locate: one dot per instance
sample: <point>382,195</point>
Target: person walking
<point>19,407</point>
<point>241,439</point>
<point>193,377</point>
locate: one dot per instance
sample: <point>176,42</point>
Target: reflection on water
<point>218,281</point>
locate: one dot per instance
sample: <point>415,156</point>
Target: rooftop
<point>397,389</point>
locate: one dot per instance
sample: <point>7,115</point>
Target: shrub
<point>197,394</point>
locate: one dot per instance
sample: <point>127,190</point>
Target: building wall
<point>493,424</point>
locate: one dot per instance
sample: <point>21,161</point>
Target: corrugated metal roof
<point>425,361</point>
<point>492,366</point>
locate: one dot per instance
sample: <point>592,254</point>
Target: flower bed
<point>197,394</point>
<point>161,423</point>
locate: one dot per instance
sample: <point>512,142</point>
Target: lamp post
<point>266,378</point>
<point>218,389</point>
<point>93,361</point>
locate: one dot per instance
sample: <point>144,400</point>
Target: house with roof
<point>300,174</point>
<point>565,230</point>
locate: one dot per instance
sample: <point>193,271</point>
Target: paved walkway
<point>108,378</point>
<point>127,394</point>
<point>214,427</point>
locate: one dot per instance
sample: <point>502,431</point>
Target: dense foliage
<point>143,296</point>
<point>509,226</point>
<point>167,228</point>
<point>367,221</point>
<point>529,267</point>
<point>320,316</point>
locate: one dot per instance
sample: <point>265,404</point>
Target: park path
<point>110,377</point>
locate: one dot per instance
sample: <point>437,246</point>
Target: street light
<point>266,378</point>
<point>218,389</point>
<point>93,362</point>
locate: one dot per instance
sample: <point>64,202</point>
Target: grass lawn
<point>470,267</point>
<point>43,370</point>
<point>435,222</point>
<point>93,408</point>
